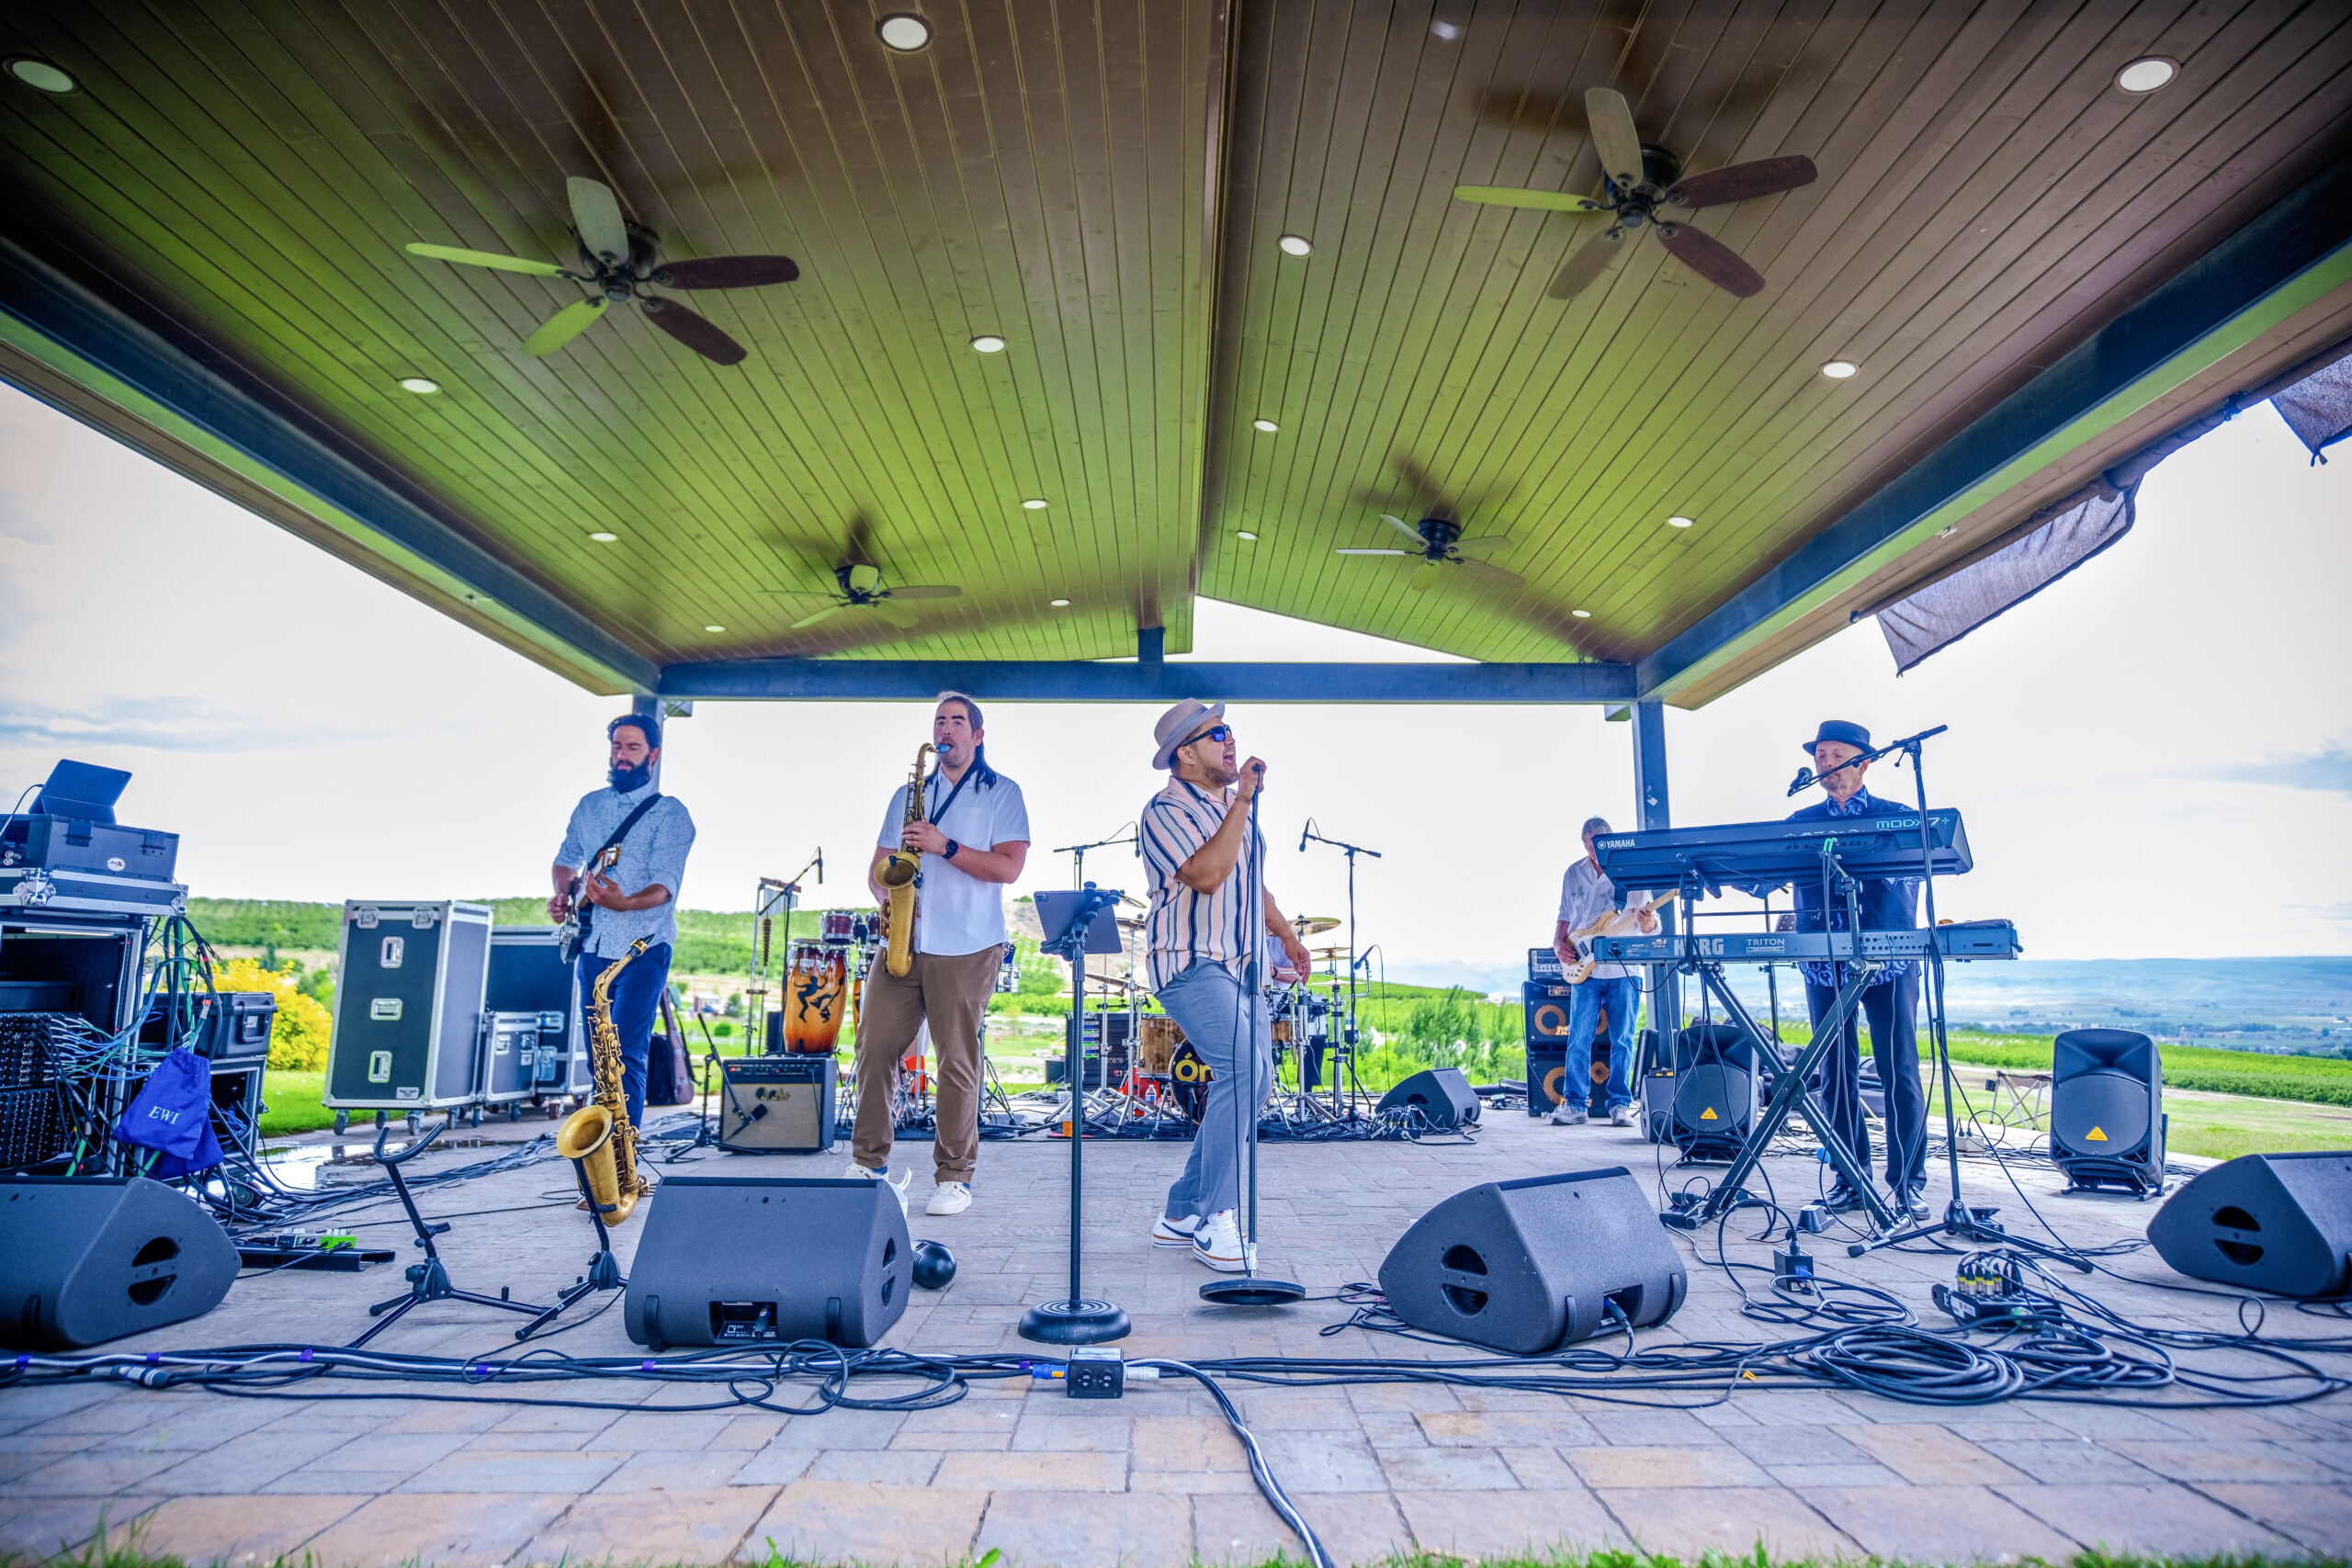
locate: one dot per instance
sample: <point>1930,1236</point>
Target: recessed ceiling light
<point>1294,244</point>
<point>1678,522</point>
<point>903,31</point>
<point>1058,603</point>
<point>714,628</point>
<point>1245,536</point>
<point>1581,614</point>
<point>989,343</point>
<point>2147,74</point>
<point>39,74</point>
<point>1034,503</point>
<point>602,537</point>
<point>420,385</point>
<point>1446,30</point>
<point>1266,426</point>
<point>1839,369</point>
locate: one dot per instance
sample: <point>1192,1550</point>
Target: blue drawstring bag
<point>172,1115</point>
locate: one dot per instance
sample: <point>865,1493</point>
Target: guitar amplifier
<point>1546,1006</point>
<point>1543,964</point>
<point>778,1104</point>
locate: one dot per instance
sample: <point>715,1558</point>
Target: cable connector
<point>1096,1371</point>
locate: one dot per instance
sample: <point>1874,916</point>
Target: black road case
<point>408,999</point>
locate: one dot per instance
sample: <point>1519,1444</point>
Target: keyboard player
<point>1891,1004</point>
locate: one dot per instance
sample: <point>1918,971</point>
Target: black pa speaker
<point>1528,1265</point>
<point>1714,1091</point>
<point>1441,1094</point>
<point>2279,1224</point>
<point>2106,1109</point>
<point>742,1260</point>
<point>1548,1072</point>
<point>85,1259</point>
<point>770,1104</point>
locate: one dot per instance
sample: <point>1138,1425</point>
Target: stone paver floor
<point>1156,1478</point>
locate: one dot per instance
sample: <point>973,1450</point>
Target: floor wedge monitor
<point>1441,1094</point>
<point>747,1261</point>
<point>2106,1109</point>
<point>2278,1224</point>
<point>85,1259</point>
<point>1528,1265</point>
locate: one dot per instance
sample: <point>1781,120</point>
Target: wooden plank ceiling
<point>1103,187</point>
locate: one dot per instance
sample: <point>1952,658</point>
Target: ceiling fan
<point>1437,541</point>
<point>623,262</point>
<point>860,587</point>
<point>1637,178</point>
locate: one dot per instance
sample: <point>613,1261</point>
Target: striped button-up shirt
<point>1185,926</point>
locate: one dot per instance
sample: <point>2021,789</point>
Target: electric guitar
<point>1617,923</point>
<point>569,935</point>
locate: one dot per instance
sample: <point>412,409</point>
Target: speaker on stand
<point>2107,1110</point>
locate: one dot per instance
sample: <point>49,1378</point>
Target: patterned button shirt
<point>655,850</point>
<point>1861,802</point>
<point>1185,926</point>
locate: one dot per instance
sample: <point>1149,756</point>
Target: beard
<point>627,779</point>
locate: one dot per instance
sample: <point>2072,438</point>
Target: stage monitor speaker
<point>1441,1094</point>
<point>778,1104</point>
<point>85,1259</point>
<point>747,1261</point>
<point>2278,1224</point>
<point>1528,1265</point>
<point>2106,1109</point>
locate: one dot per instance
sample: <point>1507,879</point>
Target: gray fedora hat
<point>1176,725</point>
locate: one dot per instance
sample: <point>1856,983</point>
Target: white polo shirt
<point>957,913</point>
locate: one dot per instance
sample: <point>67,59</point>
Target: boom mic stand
<point>1347,1036</point>
<point>1078,867</point>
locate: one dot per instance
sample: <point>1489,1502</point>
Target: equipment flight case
<point>527,974</point>
<point>408,1005</point>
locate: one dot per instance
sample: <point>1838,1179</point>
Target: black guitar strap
<point>588,911</point>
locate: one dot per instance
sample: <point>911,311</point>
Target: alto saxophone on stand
<point>901,877</point>
<point>598,1136</point>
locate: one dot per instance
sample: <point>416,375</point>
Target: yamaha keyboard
<point>1959,942</point>
<point>1742,854</point>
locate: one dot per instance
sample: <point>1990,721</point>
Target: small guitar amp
<point>778,1104</point>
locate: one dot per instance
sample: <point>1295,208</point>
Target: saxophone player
<point>971,828</point>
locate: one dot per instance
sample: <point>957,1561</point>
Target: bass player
<point>972,829</point>
<point>1587,898</point>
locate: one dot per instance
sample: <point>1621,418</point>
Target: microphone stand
<point>1078,868</point>
<point>1348,1029</point>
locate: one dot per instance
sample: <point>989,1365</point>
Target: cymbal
<point>1314,925</point>
<point>1328,952</point>
<point>1132,924</point>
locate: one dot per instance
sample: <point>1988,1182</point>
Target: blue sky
<point>2155,756</point>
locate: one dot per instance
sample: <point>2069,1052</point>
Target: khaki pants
<point>952,993</point>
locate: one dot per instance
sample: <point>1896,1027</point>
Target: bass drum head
<point>2102,1113</point>
<point>1189,1079</point>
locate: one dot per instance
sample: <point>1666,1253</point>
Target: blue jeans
<point>1213,1009</point>
<point>637,1001</point>
<point>1623,1000</point>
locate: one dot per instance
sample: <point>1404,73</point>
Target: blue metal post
<point>1652,811</point>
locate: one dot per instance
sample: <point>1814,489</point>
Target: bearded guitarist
<point>624,854</point>
<point>1587,898</point>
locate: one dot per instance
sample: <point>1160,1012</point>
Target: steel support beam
<point>2288,258</point>
<point>1653,810</point>
<point>1078,680</point>
<point>87,340</point>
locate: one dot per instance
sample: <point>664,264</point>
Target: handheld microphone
<point>1803,782</point>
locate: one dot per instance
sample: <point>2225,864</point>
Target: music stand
<point>1075,924</point>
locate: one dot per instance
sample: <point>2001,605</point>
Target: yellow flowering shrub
<point>298,1041</point>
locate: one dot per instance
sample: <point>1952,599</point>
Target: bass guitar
<point>570,934</point>
<point>1617,923</point>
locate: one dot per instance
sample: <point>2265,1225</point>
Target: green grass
<point>2317,1080</point>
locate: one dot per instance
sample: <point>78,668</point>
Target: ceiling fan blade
<point>936,591</point>
<point>1540,200</point>
<point>1492,574</point>
<point>1430,495</point>
<point>1402,526</point>
<point>596,214</point>
<point>1480,545</point>
<point>564,325</point>
<point>1711,259</point>
<point>832,609</point>
<point>1743,182</point>
<point>1426,575</point>
<point>1590,261</point>
<point>900,616</point>
<point>1376,552</point>
<point>1613,136</point>
<point>485,258</point>
<point>695,332</point>
<point>728,272</point>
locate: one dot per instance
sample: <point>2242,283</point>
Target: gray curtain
<point>1949,608</point>
<point>2318,408</point>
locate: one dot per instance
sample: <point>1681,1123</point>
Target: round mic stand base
<point>1074,1323</point>
<point>1250,1291</point>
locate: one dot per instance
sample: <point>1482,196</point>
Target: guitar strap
<point>588,911</point>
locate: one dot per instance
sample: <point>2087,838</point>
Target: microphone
<point>821,868</point>
<point>1304,828</point>
<point>1803,782</point>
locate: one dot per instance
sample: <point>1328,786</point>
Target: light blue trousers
<point>1213,1009</point>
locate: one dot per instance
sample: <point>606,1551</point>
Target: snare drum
<point>841,928</point>
<point>813,996</point>
<point>1156,1045</point>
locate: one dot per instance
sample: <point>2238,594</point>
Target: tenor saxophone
<point>902,876</point>
<point>598,1136</point>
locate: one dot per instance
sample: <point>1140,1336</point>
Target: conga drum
<point>813,994</point>
<point>1156,1045</point>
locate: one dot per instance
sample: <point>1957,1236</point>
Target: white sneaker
<point>1621,1116</point>
<point>897,1186</point>
<point>1216,1241</point>
<point>949,1198</point>
<point>1174,1233</point>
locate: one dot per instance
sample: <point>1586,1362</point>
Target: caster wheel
<point>342,1122</point>
<point>416,1123</point>
<point>477,1115</point>
<point>381,1117</point>
<point>514,1112</point>
<point>555,1113</point>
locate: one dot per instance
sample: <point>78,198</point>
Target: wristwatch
<point>952,847</point>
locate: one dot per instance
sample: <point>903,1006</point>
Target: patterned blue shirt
<point>655,850</point>
<point>1860,804</point>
